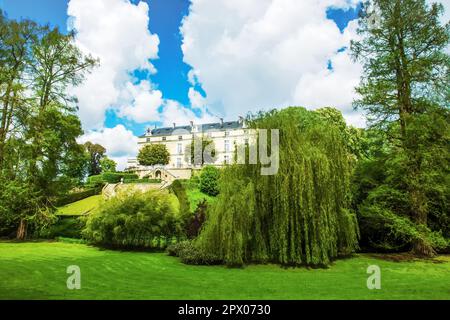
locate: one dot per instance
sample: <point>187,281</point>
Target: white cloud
<point>196,99</point>
<point>141,102</point>
<point>115,31</point>
<point>174,112</point>
<point>259,54</point>
<point>119,143</point>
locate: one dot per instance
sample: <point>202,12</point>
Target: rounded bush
<point>135,220</point>
<point>209,177</point>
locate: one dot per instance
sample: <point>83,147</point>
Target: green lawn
<point>37,270</point>
<point>195,196</point>
<point>81,207</point>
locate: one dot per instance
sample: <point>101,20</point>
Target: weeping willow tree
<point>298,216</point>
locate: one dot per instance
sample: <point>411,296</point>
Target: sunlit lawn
<point>87,205</point>
<point>37,270</point>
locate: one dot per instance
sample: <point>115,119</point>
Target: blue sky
<point>172,76</point>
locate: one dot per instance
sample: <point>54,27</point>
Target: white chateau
<point>225,135</point>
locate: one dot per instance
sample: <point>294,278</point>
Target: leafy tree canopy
<point>153,154</point>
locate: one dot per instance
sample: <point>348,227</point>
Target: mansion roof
<point>217,126</point>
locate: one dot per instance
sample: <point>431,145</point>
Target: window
<point>227,146</point>
<point>246,141</point>
<point>148,139</point>
<point>163,138</point>
<point>178,162</point>
<point>227,133</point>
<point>226,159</point>
<point>180,148</point>
<point>180,137</point>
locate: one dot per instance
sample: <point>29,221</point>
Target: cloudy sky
<point>166,61</point>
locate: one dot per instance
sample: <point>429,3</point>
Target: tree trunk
<point>419,215</point>
<point>22,230</point>
<point>422,248</point>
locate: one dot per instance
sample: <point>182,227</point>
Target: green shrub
<point>112,177</point>
<point>135,220</point>
<point>97,179</point>
<point>190,254</point>
<point>209,180</point>
<point>127,180</point>
<point>66,227</point>
<point>194,224</point>
<point>116,177</point>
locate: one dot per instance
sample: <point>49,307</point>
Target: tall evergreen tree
<point>405,92</point>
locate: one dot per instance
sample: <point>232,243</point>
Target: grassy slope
<point>195,196</point>
<point>38,270</point>
<point>80,207</point>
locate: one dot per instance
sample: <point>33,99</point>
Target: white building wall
<point>225,142</point>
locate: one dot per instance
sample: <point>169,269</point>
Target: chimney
<point>174,125</point>
<point>192,124</point>
<point>221,122</point>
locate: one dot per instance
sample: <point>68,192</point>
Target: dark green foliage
<point>209,177</point>
<point>135,220</point>
<point>404,90</point>
<point>179,190</point>
<point>76,196</point>
<point>195,222</point>
<point>67,227</point>
<point>95,153</point>
<point>39,153</point>
<point>190,254</point>
<point>153,154</point>
<point>128,180</point>
<point>298,216</point>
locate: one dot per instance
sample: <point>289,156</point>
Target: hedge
<point>141,180</point>
<point>111,177</point>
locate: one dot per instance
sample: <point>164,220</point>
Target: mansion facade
<point>177,139</point>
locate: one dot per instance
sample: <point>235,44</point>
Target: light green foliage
<point>81,207</point>
<point>135,219</point>
<point>209,177</point>
<point>298,216</point>
<point>153,154</point>
<point>353,137</point>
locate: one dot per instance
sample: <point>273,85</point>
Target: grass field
<point>195,196</point>
<point>37,270</point>
<point>81,207</point>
